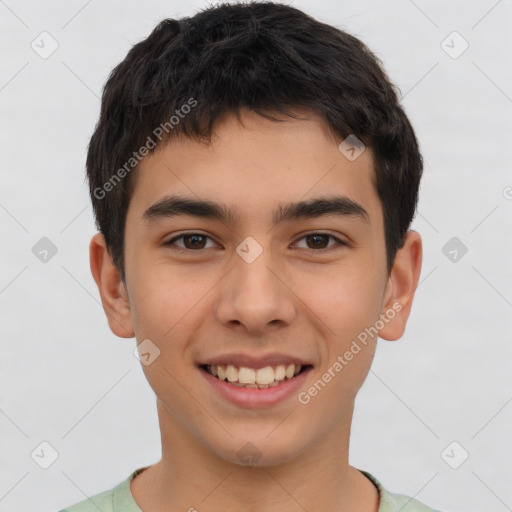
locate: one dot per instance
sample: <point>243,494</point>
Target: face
<point>263,274</point>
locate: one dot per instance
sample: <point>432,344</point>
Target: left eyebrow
<point>172,206</point>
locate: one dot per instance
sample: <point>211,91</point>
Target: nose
<point>255,297</point>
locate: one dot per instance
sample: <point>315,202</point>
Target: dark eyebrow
<point>171,206</point>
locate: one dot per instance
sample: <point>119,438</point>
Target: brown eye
<point>319,241</point>
<point>192,241</point>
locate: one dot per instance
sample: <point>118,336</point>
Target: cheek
<point>165,315</point>
<point>169,302</point>
<point>346,300</point>
<point>331,396</point>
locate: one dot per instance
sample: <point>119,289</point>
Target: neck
<point>190,476</point>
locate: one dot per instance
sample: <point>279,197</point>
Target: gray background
<point>65,379</point>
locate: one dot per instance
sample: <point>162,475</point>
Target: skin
<point>292,299</point>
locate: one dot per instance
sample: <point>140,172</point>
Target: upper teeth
<point>245,375</point>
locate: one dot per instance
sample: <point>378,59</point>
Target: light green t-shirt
<point>120,499</point>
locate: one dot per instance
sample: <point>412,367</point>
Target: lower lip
<point>254,397</point>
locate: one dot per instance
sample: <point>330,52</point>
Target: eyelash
<point>183,235</point>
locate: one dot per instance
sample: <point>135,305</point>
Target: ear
<point>401,286</point>
<point>114,296</point>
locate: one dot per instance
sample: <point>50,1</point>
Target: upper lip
<point>254,361</point>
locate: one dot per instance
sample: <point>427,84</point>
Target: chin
<point>258,451</point>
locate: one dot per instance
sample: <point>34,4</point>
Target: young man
<point>254,179</point>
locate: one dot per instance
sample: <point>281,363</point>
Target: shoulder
<point>394,502</point>
<point>114,500</point>
<point>391,502</point>
<point>103,501</point>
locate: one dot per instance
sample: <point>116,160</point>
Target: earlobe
<point>401,287</point>
<point>114,296</point>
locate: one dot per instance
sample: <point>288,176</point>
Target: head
<point>245,106</point>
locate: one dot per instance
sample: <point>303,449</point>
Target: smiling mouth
<point>262,378</point>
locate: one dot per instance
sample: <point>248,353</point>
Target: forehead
<point>252,163</point>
